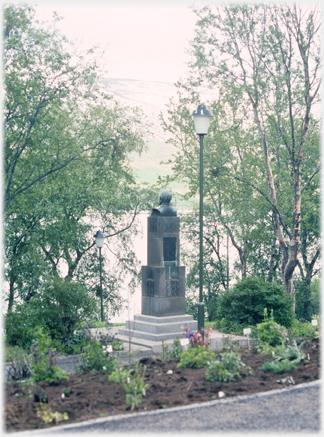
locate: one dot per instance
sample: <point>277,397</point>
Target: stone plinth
<point>157,329</point>
<point>163,280</point>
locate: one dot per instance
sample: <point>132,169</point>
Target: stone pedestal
<point>156,329</point>
<point>163,280</point>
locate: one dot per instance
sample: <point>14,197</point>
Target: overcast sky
<point>145,39</point>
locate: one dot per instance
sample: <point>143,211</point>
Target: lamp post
<point>201,118</point>
<point>99,237</point>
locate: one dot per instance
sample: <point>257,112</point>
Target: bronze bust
<point>164,210</point>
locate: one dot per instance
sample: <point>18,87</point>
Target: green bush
<point>245,302</point>
<point>225,369</point>
<point>302,329</point>
<point>62,305</point>
<point>96,357</point>
<point>59,307</point>
<point>19,325</point>
<point>196,357</point>
<point>43,363</point>
<point>308,299</point>
<point>269,331</point>
<point>277,366</point>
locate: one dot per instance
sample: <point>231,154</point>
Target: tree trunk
<point>272,260</point>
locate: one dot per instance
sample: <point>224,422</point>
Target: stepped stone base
<point>156,329</point>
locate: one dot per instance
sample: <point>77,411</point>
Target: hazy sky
<point>145,39</point>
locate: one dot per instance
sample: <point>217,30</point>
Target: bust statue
<point>164,209</point>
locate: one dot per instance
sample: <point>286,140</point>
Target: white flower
<point>221,394</point>
<point>169,372</point>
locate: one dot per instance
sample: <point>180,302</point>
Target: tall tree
<point>270,55</point>
<point>67,148</point>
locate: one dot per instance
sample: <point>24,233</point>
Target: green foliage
<point>308,299</point>
<point>241,51</point>
<point>285,358</point>
<point>245,302</point>
<point>269,331</point>
<point>43,363</point>
<point>225,369</point>
<point>62,172</point>
<point>19,325</point>
<point>196,357</point>
<point>135,388</point>
<point>59,308</point>
<point>119,375</point>
<point>228,327</point>
<point>277,366</point>
<point>175,353</point>
<point>62,305</point>
<point>96,357</point>
<point>302,329</point>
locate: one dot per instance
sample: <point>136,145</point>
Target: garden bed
<point>90,395</point>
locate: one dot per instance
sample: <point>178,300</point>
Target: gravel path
<point>296,409</point>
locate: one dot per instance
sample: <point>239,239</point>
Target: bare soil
<point>92,395</point>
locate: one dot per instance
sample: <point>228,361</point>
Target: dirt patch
<point>92,395</point>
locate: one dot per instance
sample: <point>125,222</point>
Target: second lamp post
<point>201,118</point>
<point>99,237</point>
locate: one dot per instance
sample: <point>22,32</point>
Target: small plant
<point>269,331</point>
<point>43,362</point>
<point>291,352</point>
<point>167,354</point>
<point>196,357</point>
<point>119,375</point>
<point>225,369</point>
<point>302,329</point>
<point>286,358</point>
<point>177,349</point>
<point>47,416</point>
<point>135,388</point>
<point>278,366</point>
<point>96,357</point>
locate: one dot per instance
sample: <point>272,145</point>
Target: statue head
<point>164,205</point>
<point>165,197</point>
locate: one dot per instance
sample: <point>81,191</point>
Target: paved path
<point>292,410</point>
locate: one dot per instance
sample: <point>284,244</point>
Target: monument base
<point>156,329</point>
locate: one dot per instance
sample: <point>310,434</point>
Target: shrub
<point>308,299</point>
<point>63,305</point>
<point>19,325</point>
<point>302,329</point>
<point>245,302</point>
<point>59,308</point>
<point>225,369</point>
<point>96,357</point>
<point>43,364</point>
<point>196,357</point>
<point>269,331</point>
<point>277,366</point>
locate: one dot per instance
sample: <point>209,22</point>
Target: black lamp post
<point>99,237</point>
<point>201,118</point>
